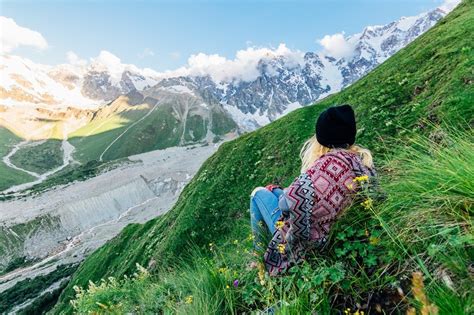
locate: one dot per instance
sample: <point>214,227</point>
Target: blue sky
<point>162,34</point>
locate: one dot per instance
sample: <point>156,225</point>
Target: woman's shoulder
<point>334,161</point>
<point>340,160</point>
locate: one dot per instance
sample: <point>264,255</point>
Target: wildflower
<point>367,204</point>
<point>350,186</point>
<point>188,299</point>
<point>374,240</point>
<point>227,287</point>
<point>236,283</point>
<point>260,223</point>
<point>361,178</point>
<point>236,242</point>
<point>103,306</point>
<point>347,311</point>
<point>281,248</point>
<point>222,270</point>
<point>251,237</point>
<point>261,273</point>
<point>279,224</point>
<point>418,289</point>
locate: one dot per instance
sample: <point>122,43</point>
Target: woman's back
<point>314,200</point>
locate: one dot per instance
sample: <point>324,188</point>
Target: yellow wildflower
<point>188,299</point>
<point>222,270</point>
<point>281,248</point>
<point>103,306</point>
<point>227,287</point>
<point>367,203</point>
<point>261,273</point>
<point>361,178</point>
<point>350,186</point>
<point>279,224</point>
<point>418,289</point>
<point>251,237</point>
<point>236,242</point>
<point>374,240</point>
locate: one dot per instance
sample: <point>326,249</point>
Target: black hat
<point>336,127</point>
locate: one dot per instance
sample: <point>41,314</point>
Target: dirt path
<point>8,162</point>
<point>68,150</point>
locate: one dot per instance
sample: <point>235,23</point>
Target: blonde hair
<point>313,150</point>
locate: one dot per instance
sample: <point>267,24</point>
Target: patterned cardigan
<point>310,205</point>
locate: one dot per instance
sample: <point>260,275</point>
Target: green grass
<point>401,106</point>
<point>423,224</point>
<point>39,158</point>
<point>9,176</point>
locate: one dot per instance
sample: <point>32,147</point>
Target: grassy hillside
<point>403,108</point>
<point>133,129</point>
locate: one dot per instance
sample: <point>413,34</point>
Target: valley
<point>62,225</point>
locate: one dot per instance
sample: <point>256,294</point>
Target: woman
<point>300,216</point>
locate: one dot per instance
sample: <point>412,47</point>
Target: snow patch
<point>180,89</point>
<point>247,121</point>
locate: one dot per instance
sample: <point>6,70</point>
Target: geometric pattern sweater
<point>311,204</point>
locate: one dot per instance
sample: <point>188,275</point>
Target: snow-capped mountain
<point>25,83</point>
<point>377,43</point>
<point>280,82</point>
<point>280,88</point>
<point>106,78</point>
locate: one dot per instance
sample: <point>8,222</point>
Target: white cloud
<point>12,36</point>
<point>147,52</point>
<point>74,59</point>
<point>337,45</point>
<point>106,61</point>
<point>449,5</point>
<point>243,67</point>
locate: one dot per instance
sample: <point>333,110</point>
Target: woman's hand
<point>270,187</point>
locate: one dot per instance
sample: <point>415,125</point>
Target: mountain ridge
<point>281,81</point>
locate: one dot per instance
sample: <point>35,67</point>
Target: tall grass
<point>423,224</point>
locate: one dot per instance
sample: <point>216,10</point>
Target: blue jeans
<point>264,211</point>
